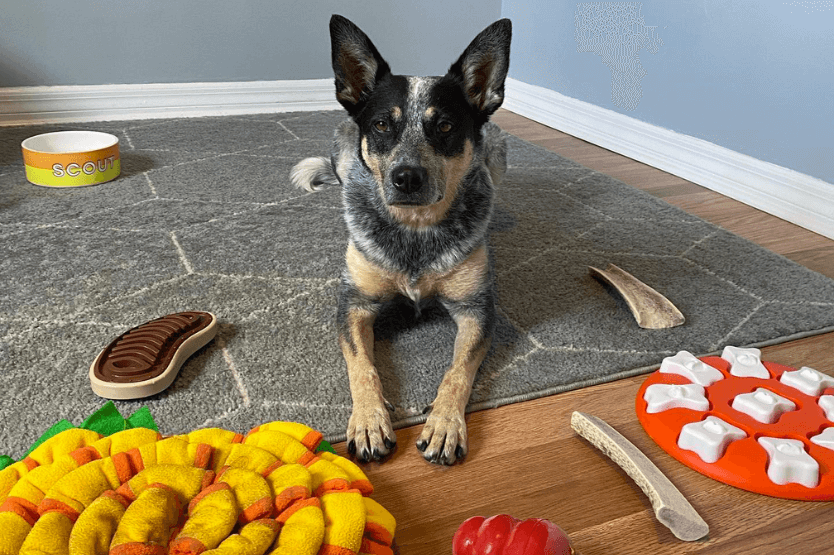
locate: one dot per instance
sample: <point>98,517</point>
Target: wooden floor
<point>526,461</point>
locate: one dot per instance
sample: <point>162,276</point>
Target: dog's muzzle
<point>410,187</point>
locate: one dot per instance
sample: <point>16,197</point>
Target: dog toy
<point>759,426</point>
<point>505,535</point>
<point>210,491</point>
<point>670,506</point>
<point>651,309</point>
<point>146,359</point>
<point>104,422</point>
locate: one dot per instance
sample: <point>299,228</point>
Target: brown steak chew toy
<point>146,359</point>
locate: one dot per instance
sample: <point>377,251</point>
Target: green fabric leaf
<point>325,446</point>
<point>107,420</point>
<point>142,418</point>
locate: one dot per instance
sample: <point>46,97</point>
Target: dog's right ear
<point>357,64</point>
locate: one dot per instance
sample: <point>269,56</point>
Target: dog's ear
<point>357,64</point>
<point>482,68</point>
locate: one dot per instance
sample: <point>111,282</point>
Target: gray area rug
<point>203,218</point>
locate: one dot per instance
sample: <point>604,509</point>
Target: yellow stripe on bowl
<point>65,178</point>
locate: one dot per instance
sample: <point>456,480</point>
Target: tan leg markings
<point>444,435</point>
<point>369,425</point>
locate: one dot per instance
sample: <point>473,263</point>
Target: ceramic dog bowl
<point>71,158</point>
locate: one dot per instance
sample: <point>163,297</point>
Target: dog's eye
<point>381,126</point>
<point>444,127</point>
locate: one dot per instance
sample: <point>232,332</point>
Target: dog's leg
<point>369,433</point>
<point>469,297</point>
<point>444,438</point>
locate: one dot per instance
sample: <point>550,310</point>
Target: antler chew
<point>651,309</point>
<point>670,506</point>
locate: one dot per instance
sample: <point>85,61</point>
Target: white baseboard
<point>37,105</point>
<point>793,196</point>
<point>787,194</point>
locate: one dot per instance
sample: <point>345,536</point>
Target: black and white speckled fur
<point>417,162</point>
<point>406,249</point>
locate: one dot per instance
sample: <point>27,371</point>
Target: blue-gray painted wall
<point>753,76</point>
<point>95,42</point>
<point>756,77</point>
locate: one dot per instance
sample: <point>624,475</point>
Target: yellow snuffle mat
<point>210,491</point>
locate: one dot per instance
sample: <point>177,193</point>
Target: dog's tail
<point>313,173</point>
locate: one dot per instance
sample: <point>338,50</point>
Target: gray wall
<point>750,75</point>
<point>93,42</point>
<point>753,76</point>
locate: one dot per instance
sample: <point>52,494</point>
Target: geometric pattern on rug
<point>203,218</point>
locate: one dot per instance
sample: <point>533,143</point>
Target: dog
<point>417,161</point>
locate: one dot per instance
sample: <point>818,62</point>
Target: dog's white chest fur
<point>412,293</point>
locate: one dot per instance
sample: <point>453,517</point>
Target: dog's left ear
<point>483,66</point>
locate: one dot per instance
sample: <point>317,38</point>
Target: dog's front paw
<point>369,434</point>
<point>443,439</point>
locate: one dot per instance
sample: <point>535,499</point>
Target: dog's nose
<point>409,179</point>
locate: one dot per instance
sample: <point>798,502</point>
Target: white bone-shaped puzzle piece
<point>661,397</point>
<point>826,403</point>
<point>825,439</point>
<point>763,405</point>
<point>807,380</point>
<point>746,363</point>
<point>687,365</point>
<point>787,462</point>
<point>709,438</point>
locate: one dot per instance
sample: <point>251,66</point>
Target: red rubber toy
<point>505,535</point>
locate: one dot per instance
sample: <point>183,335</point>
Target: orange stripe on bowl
<point>102,158</point>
